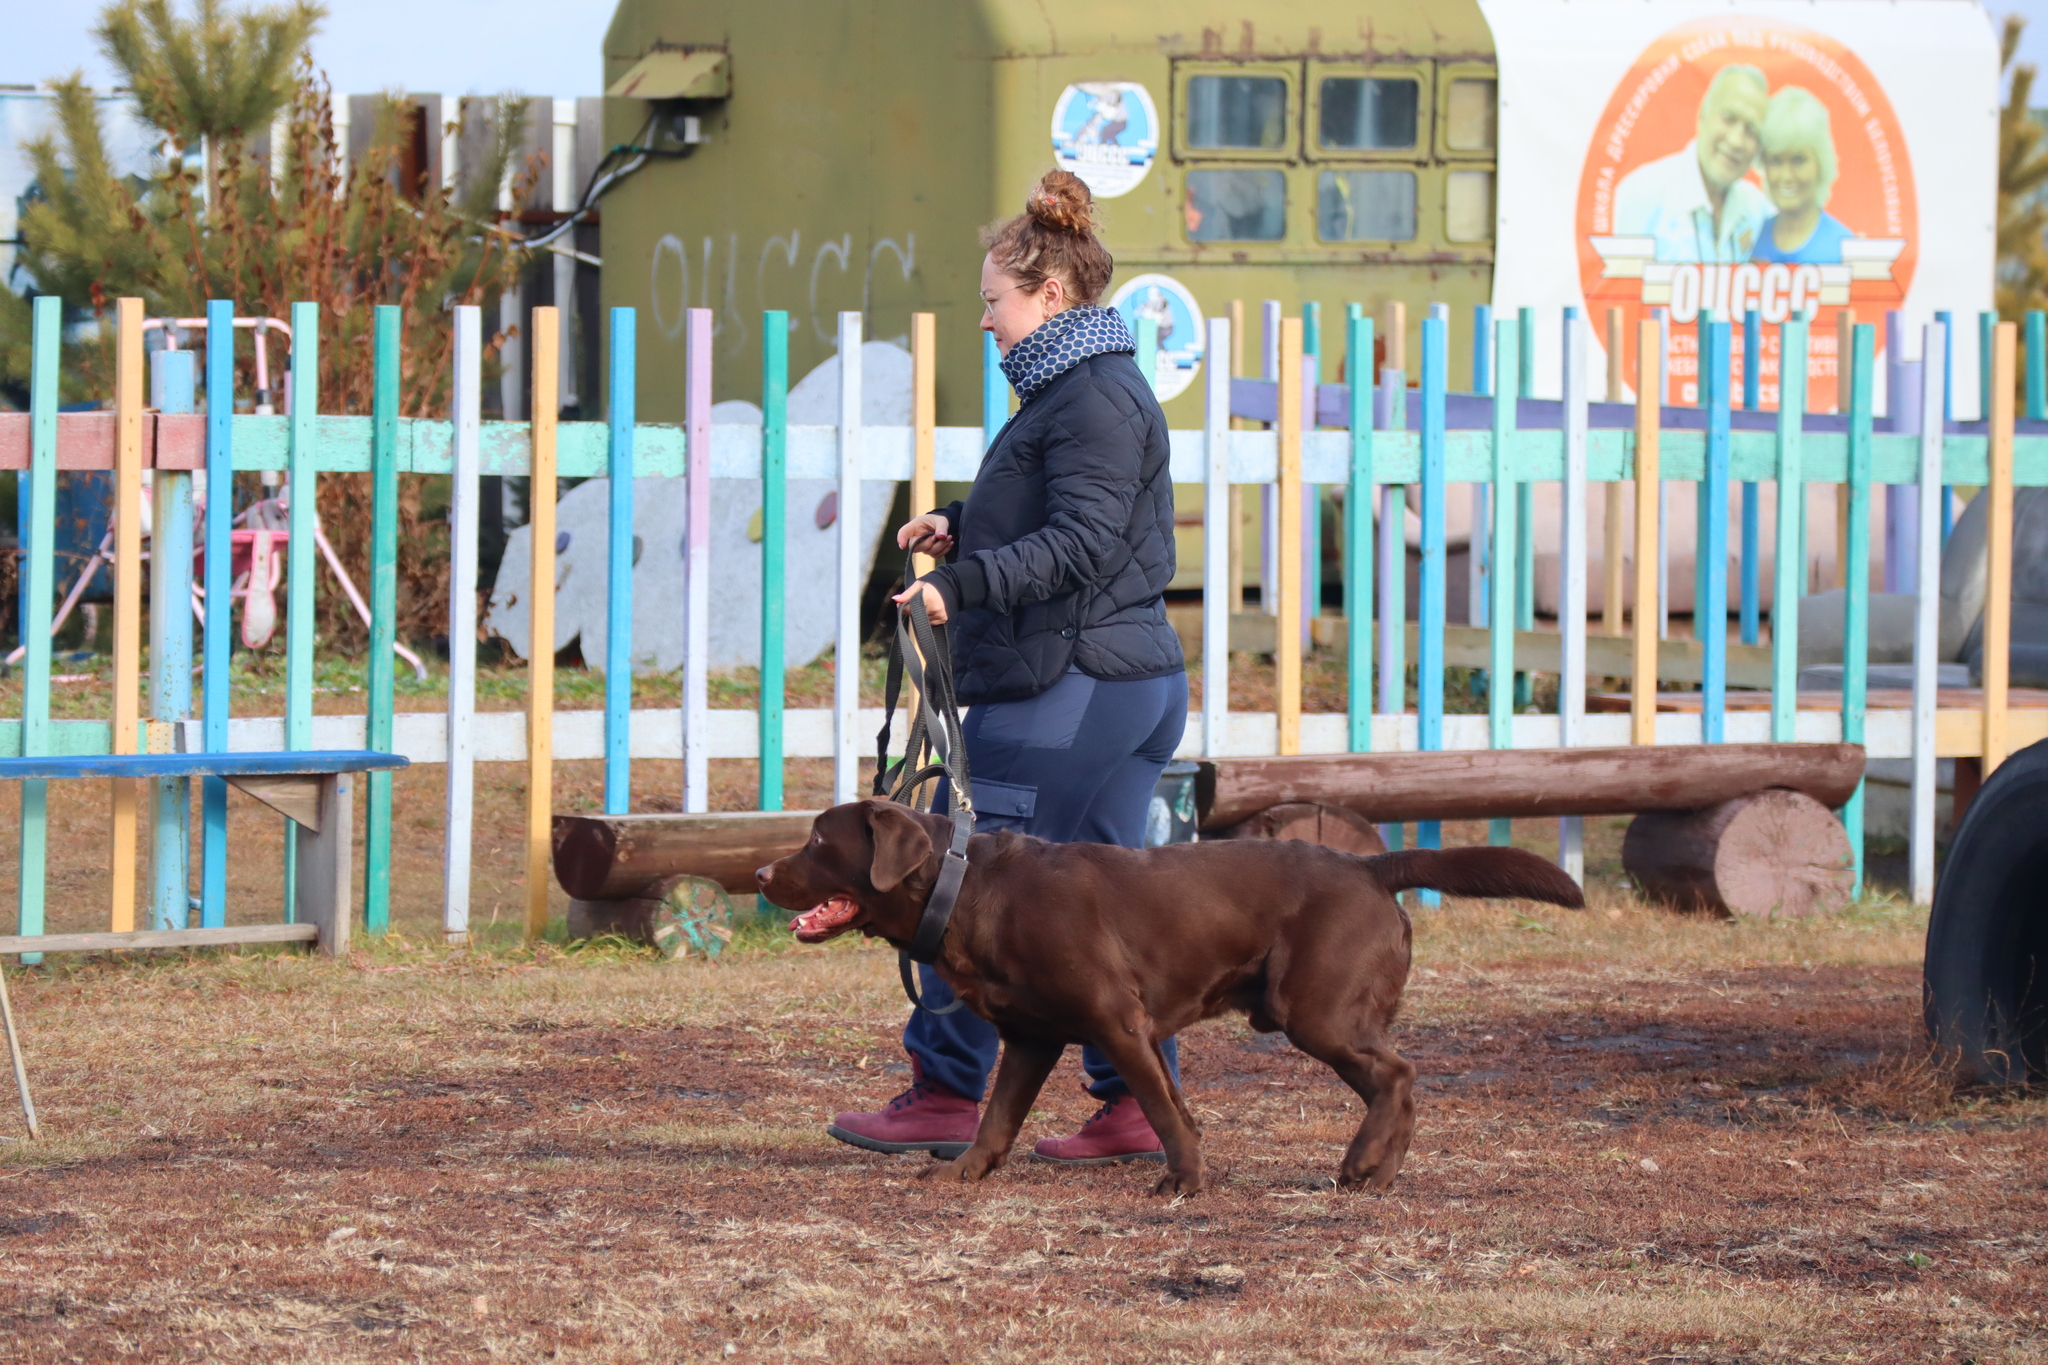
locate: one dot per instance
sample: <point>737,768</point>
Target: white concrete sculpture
<point>659,515</point>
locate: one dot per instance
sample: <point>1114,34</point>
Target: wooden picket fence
<point>1371,440</point>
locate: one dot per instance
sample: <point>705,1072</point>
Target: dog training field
<point>1641,1137</point>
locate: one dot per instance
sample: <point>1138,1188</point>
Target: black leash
<point>935,748</point>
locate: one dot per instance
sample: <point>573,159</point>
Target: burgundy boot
<point>1118,1132</point>
<point>928,1117</point>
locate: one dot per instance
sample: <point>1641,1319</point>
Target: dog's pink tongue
<point>822,919</point>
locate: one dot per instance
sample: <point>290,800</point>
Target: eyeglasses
<point>988,305</point>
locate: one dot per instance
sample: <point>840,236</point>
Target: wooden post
<point>774,547</point>
<point>697,568</point>
<point>924,419</point>
<point>1287,631</point>
<point>1752,547</point>
<point>302,484</point>
<point>1236,566</point>
<point>1710,560</point>
<point>217,642</point>
<point>1217,505</point>
<point>465,491</point>
<point>1358,536</point>
<point>172,375</point>
<point>37,508</point>
<point>323,865</point>
<point>127,595</point>
<point>1643,687</point>
<point>847,587</point>
<point>1614,540</point>
<point>995,391</point>
<point>1856,603</point>
<point>618,582</point>
<point>1430,599</point>
<point>1998,581</point>
<point>1507,557</point>
<point>1790,582</point>
<point>1771,855</point>
<point>1571,681</point>
<point>540,607</point>
<point>382,681</point>
<point>1845,344</point>
<point>1926,624</point>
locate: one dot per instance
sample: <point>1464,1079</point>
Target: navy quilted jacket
<point>1064,547</point>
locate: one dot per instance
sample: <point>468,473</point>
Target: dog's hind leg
<point>1019,1077</point>
<point>1385,1080</point>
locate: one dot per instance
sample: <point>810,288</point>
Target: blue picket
<point>619,557</point>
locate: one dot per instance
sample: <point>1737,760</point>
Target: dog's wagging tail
<point>1480,873</point>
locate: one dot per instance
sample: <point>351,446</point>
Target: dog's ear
<point>901,844</point>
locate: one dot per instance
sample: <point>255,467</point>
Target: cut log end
<point>1330,826</point>
<point>1773,855</point>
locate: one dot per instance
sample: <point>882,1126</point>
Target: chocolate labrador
<point>1086,943</point>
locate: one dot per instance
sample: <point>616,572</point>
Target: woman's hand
<point>927,535</point>
<point>934,604</point>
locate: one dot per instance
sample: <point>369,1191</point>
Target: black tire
<point>1987,942</point>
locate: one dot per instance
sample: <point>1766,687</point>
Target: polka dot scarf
<point>1061,342</point>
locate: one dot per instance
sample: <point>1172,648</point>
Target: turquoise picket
<point>2037,366</point>
<point>37,576</point>
<point>1856,604</point>
<point>995,391</point>
<point>382,680</point>
<point>217,641</point>
<point>774,544</point>
<point>1507,556</point>
<point>1710,588</point>
<point>1525,506</point>
<point>1987,328</point>
<point>1429,656</point>
<point>172,376</point>
<point>1790,581</point>
<point>1358,534</point>
<point>1752,511</point>
<point>619,557</point>
<point>1481,553</point>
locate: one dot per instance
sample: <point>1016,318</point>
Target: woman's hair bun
<point>1061,201</point>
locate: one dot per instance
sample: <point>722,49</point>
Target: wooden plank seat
<point>313,789</point>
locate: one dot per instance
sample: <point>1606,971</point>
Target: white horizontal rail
<point>500,736</point>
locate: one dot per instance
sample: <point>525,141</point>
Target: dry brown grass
<point>1642,1136</point>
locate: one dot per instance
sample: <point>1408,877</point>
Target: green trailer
<point>819,156</point>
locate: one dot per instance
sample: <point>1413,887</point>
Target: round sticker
<point>1167,303</point>
<point>1747,163</point>
<point>1106,132</point>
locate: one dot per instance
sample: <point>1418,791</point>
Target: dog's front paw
<point>968,1167</point>
<point>1182,1183</point>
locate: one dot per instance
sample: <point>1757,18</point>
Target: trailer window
<point>1368,113</point>
<point>1468,206</point>
<point>1469,116</point>
<point>1366,206</point>
<point>1236,206</point>
<point>1237,111</point>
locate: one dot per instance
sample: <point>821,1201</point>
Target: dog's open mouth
<point>822,921</point>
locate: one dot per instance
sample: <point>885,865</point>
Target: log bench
<point>1705,847</point>
<point>314,789</point>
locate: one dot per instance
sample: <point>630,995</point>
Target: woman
<point>1799,173</point>
<point>1055,566</point>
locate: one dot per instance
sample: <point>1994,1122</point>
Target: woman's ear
<point>1052,295</point>
<point>900,842</point>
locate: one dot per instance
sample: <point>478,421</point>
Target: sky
<point>450,47</point>
<point>459,47</point>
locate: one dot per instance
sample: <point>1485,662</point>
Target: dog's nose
<point>761,877</point>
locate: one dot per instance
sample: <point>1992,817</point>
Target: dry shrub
<point>1910,1085</point>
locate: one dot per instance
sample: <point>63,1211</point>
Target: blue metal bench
<point>313,789</point>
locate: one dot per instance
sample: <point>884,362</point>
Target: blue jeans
<point>1075,764</point>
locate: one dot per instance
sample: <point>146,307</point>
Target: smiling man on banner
<point>1695,203</point>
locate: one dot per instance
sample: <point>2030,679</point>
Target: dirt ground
<point>1641,1137</point>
